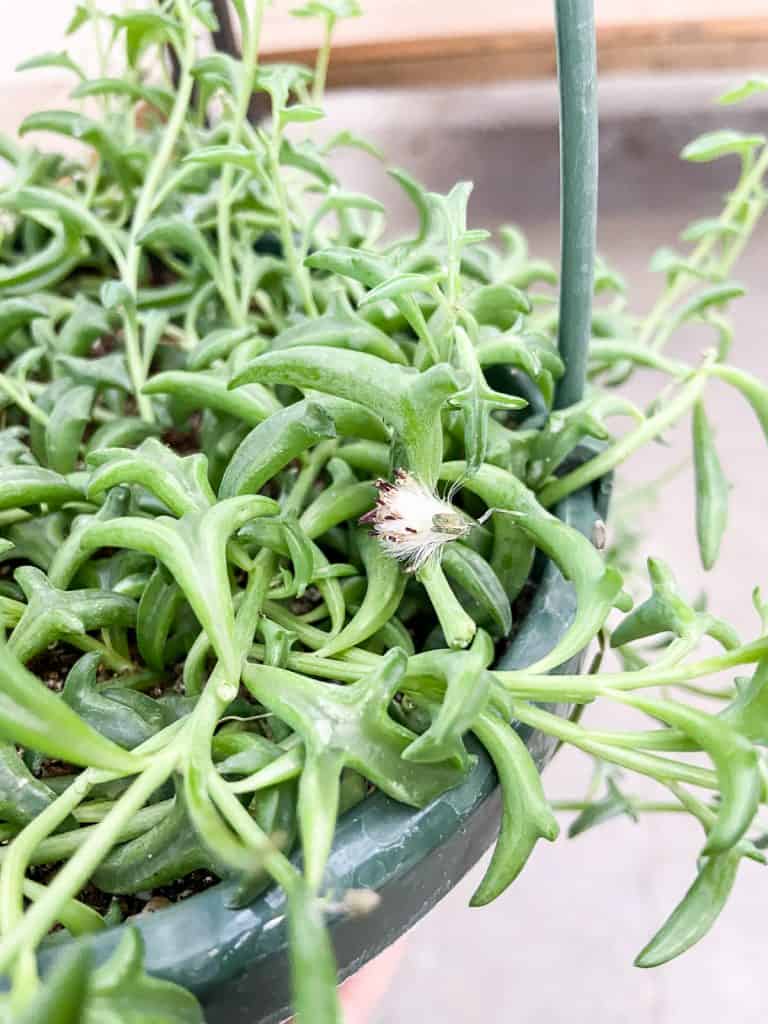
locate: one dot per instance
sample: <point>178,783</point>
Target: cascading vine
<point>215,376</point>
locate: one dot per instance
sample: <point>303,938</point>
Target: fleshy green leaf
<point>734,758</point>
<point>65,428</point>
<point>164,853</point>
<point>466,688</point>
<point>748,712</point>
<point>499,305</point>
<point>193,549</point>
<point>108,371</point>
<point>79,18</point>
<point>526,815</point>
<point>385,583</point>
<point>693,917</point>
<point>124,716</point>
<point>62,997</point>
<point>313,965</point>
<point>209,390</point>
<point>341,327</point>
<point>273,444</point>
<point>135,91</point>
<point>52,613</point>
<point>713,145</point>
<point>711,489</point>
<point>300,114</point>
<point>179,482</point>
<point>32,716</point>
<point>347,139</point>
<point>753,85</point>
<point>706,228</point>
<point>280,81</point>
<point>77,126</point>
<point>717,296</point>
<point>751,387</point>
<point>159,604</point>
<point>613,804</point>
<point>666,610</point>
<point>142,29</point>
<point>60,59</point>
<point>15,313</point>
<point>598,587</point>
<point>22,796</point>
<point>22,485</point>
<point>472,572</point>
<point>179,234</point>
<point>121,991</point>
<point>405,400</point>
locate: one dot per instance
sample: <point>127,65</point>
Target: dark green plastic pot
<point>236,960</point>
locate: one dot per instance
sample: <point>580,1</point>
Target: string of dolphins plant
<point>270,489</point>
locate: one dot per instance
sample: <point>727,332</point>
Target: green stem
<point>650,806</point>
<point>327,668</point>
<point>290,252</point>
<point>275,862</point>
<point>458,627</point>
<point>12,877</point>
<point>19,853</point>
<point>101,51</point>
<point>582,689</point>
<point>250,606</point>
<point>323,59</point>
<point>660,768</point>
<point>308,635</point>
<point>19,397</point>
<point>315,461</point>
<point>620,450</point>
<point>284,768</point>
<point>250,50</point>
<point>146,200</point>
<point>682,282</point>
<point>612,350</point>
<point>324,668</point>
<point>757,209</point>
<point>78,918</point>
<point>64,844</point>
<point>111,658</point>
<point>145,205</point>
<point>30,931</point>
<point>96,810</point>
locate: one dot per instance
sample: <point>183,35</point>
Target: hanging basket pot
<point>236,959</point>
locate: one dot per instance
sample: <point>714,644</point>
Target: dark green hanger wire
<point>577,78</point>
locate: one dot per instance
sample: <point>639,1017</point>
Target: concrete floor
<point>559,945</point>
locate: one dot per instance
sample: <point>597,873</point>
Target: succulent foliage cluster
<point>210,352</point>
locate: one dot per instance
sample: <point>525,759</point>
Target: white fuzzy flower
<point>412,522</point>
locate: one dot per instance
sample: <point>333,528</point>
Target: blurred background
<point>454,91</point>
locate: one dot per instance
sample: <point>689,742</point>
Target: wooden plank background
<point>408,42</point>
<point>430,42</point>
